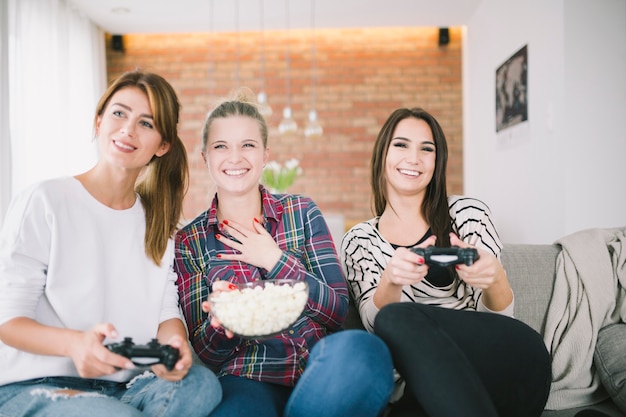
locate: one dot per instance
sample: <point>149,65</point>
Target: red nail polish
<point>421,261</point>
<point>225,221</point>
<point>256,220</point>
<point>457,267</point>
<point>232,286</point>
<point>218,237</point>
<point>218,256</point>
<point>221,225</point>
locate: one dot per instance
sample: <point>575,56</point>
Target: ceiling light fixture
<point>264,106</point>
<point>211,47</point>
<point>288,125</point>
<point>313,128</point>
<point>238,44</point>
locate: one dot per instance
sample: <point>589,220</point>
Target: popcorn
<point>260,309</point>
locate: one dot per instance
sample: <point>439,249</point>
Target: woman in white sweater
<point>87,260</point>
<point>456,357</point>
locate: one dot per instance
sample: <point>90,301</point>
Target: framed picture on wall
<point>512,91</point>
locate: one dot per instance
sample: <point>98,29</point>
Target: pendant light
<point>263,103</point>
<point>313,128</point>
<point>211,52</point>
<point>238,45</point>
<point>287,125</point>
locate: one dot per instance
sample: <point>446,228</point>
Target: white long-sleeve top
<point>365,254</point>
<point>66,260</point>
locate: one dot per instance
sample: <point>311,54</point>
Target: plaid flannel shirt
<point>309,254</point>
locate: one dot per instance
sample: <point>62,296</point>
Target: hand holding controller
<point>165,354</point>
<point>447,256</point>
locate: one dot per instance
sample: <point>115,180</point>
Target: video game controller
<point>447,256</point>
<point>165,354</point>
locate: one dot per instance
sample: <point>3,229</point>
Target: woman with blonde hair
<point>247,235</point>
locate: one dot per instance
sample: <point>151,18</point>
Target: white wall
<point>568,171</point>
<point>595,95</point>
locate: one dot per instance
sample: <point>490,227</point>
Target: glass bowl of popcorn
<point>261,308</point>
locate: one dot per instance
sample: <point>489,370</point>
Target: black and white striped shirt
<point>365,254</point>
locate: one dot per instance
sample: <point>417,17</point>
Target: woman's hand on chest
<point>254,244</point>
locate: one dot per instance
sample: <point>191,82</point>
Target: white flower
<point>292,163</point>
<point>278,178</point>
<point>273,166</point>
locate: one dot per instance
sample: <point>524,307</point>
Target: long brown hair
<point>164,183</point>
<point>434,208</point>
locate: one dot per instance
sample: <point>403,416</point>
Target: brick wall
<point>362,75</point>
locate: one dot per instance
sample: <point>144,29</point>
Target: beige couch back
<point>531,269</point>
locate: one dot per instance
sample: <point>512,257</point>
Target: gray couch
<point>531,271</point>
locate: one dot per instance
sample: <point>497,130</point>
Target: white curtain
<point>56,74</point>
<point>5,142</point>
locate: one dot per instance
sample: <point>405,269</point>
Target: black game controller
<point>165,354</point>
<point>447,256</point>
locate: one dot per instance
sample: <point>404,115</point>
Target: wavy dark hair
<point>434,208</point>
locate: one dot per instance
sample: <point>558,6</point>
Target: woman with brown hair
<point>449,328</point>
<point>87,260</point>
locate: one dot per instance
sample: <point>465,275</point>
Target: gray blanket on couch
<point>588,295</point>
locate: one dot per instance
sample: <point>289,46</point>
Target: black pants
<point>465,363</point>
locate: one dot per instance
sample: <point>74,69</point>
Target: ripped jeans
<point>146,395</point>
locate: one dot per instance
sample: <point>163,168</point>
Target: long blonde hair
<point>164,183</point>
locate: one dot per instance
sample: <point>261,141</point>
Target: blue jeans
<point>348,373</point>
<point>146,395</point>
